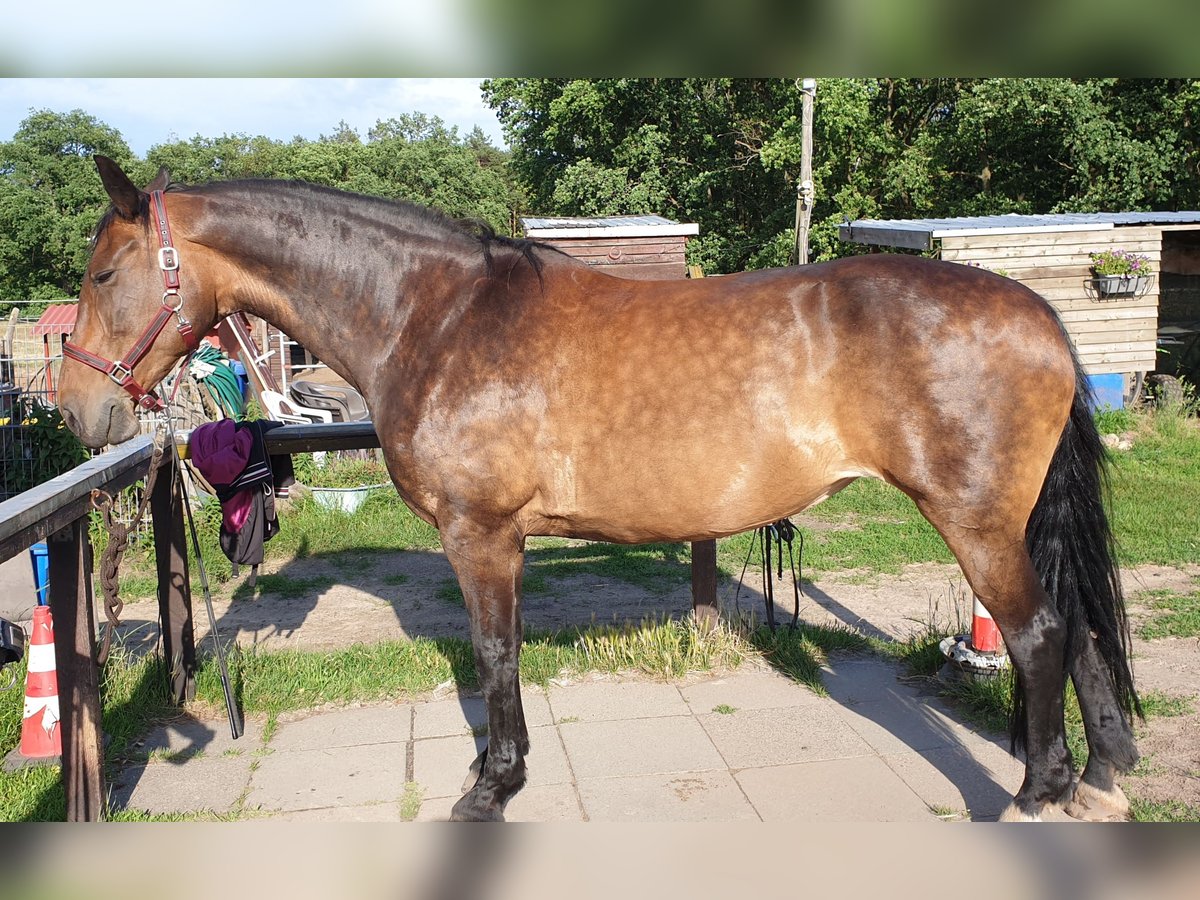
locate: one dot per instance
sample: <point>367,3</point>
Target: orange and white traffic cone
<point>40,733</point>
<point>985,636</point>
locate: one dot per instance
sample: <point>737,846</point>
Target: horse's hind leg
<point>1111,747</point>
<point>488,559</point>
<point>998,568</point>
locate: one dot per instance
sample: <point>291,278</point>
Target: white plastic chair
<point>281,409</point>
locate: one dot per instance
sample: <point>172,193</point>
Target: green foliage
<point>50,201</point>
<point>725,153</point>
<point>347,473</point>
<point>1115,421</point>
<point>35,446</point>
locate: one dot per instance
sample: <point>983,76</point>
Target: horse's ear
<point>161,180</point>
<point>124,194</point>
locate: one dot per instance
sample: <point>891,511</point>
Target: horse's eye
<point>101,277</point>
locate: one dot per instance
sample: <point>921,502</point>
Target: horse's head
<point>131,287</point>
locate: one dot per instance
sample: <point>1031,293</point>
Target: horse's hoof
<point>467,810</point>
<point>1014,813</point>
<point>1091,804</point>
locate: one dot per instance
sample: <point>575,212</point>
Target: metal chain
<point>114,551</point>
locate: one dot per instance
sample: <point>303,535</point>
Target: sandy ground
<point>405,595</point>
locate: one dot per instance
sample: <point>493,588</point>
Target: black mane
<point>411,216</point>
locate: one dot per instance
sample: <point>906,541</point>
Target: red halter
<point>121,371</point>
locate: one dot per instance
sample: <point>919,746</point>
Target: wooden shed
<point>643,247</point>
<point>1050,254</point>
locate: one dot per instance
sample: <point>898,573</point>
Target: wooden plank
<point>78,679</point>
<point>1132,361</point>
<point>1096,350</point>
<point>1051,256</point>
<point>646,272</point>
<point>35,514</point>
<point>174,585</point>
<point>1148,303</point>
<point>1121,367</point>
<point>1119,236</point>
<point>1142,336</point>
<point>1057,295</point>
<point>632,245</point>
<point>1097,312</point>
<point>704,581</point>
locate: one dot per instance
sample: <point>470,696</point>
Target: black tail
<point>1073,551</point>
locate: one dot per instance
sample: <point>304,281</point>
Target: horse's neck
<point>348,302</point>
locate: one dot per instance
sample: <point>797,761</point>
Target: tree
<point>726,153</point>
<point>50,202</point>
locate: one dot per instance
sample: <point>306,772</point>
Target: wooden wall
<point>629,257</point>
<point>1118,335</point>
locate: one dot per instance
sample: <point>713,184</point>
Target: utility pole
<point>804,190</point>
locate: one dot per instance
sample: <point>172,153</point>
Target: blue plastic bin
<point>1109,390</point>
<point>239,372</point>
<point>40,557</point>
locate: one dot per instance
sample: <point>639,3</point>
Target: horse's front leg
<point>488,558</point>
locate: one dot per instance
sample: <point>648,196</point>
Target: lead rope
<point>781,533</point>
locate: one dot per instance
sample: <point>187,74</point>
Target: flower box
<point>1121,285</point>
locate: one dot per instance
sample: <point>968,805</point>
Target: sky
<point>149,111</point>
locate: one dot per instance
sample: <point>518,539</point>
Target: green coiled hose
<point>221,383</point>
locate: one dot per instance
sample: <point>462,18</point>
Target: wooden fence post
<point>704,581</point>
<point>174,583</point>
<point>70,560</point>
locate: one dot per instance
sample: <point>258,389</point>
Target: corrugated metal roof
<point>604,226</point>
<point>57,319</point>
<point>920,233</point>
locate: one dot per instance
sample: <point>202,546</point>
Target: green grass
<point>1156,492</point>
<point>1163,811</point>
<point>1173,615</point>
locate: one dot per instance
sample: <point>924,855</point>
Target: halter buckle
<point>168,259</point>
<point>120,373</point>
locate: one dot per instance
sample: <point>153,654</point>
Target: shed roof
<point>919,234</point>
<point>57,319</point>
<point>542,227</point>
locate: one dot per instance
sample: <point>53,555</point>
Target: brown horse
<point>518,392</point>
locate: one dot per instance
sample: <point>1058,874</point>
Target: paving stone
<point>538,803</point>
<point>770,737</point>
<point>343,776</point>
<point>682,797</point>
<point>192,785</point>
<point>603,701</point>
<point>371,812</point>
<point>981,783</point>
<point>440,764</point>
<point>460,715</point>
<point>862,789</point>
<point>187,737</point>
<point>900,725</point>
<point>345,728</point>
<point>852,681</point>
<point>748,690</point>
<point>639,747</point>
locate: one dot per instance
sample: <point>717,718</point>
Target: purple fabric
<point>220,452</point>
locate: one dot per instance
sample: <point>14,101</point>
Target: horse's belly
<point>630,491</point>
